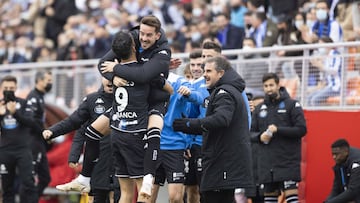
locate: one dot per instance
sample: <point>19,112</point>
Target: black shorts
<point>158,101</point>
<point>171,167</point>
<point>128,152</point>
<point>159,108</point>
<point>193,166</point>
<point>280,186</point>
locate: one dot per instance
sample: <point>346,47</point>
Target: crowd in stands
<point>36,30</point>
<point>40,31</point>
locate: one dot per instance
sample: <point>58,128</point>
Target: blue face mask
<point>321,14</point>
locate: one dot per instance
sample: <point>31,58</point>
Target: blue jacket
<point>197,108</point>
<point>178,107</point>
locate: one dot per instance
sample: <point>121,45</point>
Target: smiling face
<point>148,36</point>
<point>211,75</point>
<point>195,67</point>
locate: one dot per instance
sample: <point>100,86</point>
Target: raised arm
<point>144,73</point>
<point>109,56</point>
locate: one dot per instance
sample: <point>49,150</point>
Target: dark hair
<point>196,53</point>
<point>248,13</point>
<point>326,39</point>
<point>212,45</point>
<point>9,78</point>
<point>187,69</point>
<point>122,44</point>
<point>341,143</point>
<point>260,15</point>
<point>226,15</point>
<point>251,39</point>
<point>40,75</point>
<point>221,63</point>
<point>268,76</point>
<point>151,21</point>
<point>323,1</point>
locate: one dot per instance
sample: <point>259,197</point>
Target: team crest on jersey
<point>263,111</point>
<point>206,103</point>
<point>221,91</point>
<point>144,59</point>
<point>17,106</point>
<point>163,52</point>
<point>3,169</point>
<point>99,109</point>
<point>99,101</point>
<point>33,100</point>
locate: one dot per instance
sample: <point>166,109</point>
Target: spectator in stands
<point>21,52</point>
<point>324,26</point>
<point>113,21</point>
<point>200,11</point>
<point>168,14</point>
<point>206,29</point>
<point>346,184</point>
<point>139,9</point>
<point>348,18</point>
<point>253,71</point>
<point>264,31</point>
<point>237,12</point>
<point>248,25</point>
<point>283,7</point>
<point>287,36</point>
<point>278,124</point>
<point>330,64</point>
<point>174,35</point>
<point>3,51</point>
<point>256,5</point>
<point>310,19</point>
<point>56,14</point>
<point>302,30</point>
<point>230,36</point>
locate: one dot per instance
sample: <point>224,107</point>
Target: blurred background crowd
<point>48,30</point>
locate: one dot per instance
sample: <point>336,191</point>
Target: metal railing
<point>74,79</point>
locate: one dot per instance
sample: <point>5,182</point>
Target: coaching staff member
<point>278,124</point>
<point>226,147</point>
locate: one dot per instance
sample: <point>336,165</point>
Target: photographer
<point>15,152</point>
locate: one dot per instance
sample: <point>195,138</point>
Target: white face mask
<point>2,51</point>
<point>197,12</point>
<point>310,23</point>
<point>158,4</point>
<point>195,36</point>
<point>246,47</point>
<point>112,30</point>
<point>322,51</point>
<point>216,9</point>
<point>321,14</point>
<point>299,24</point>
<point>94,4</point>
